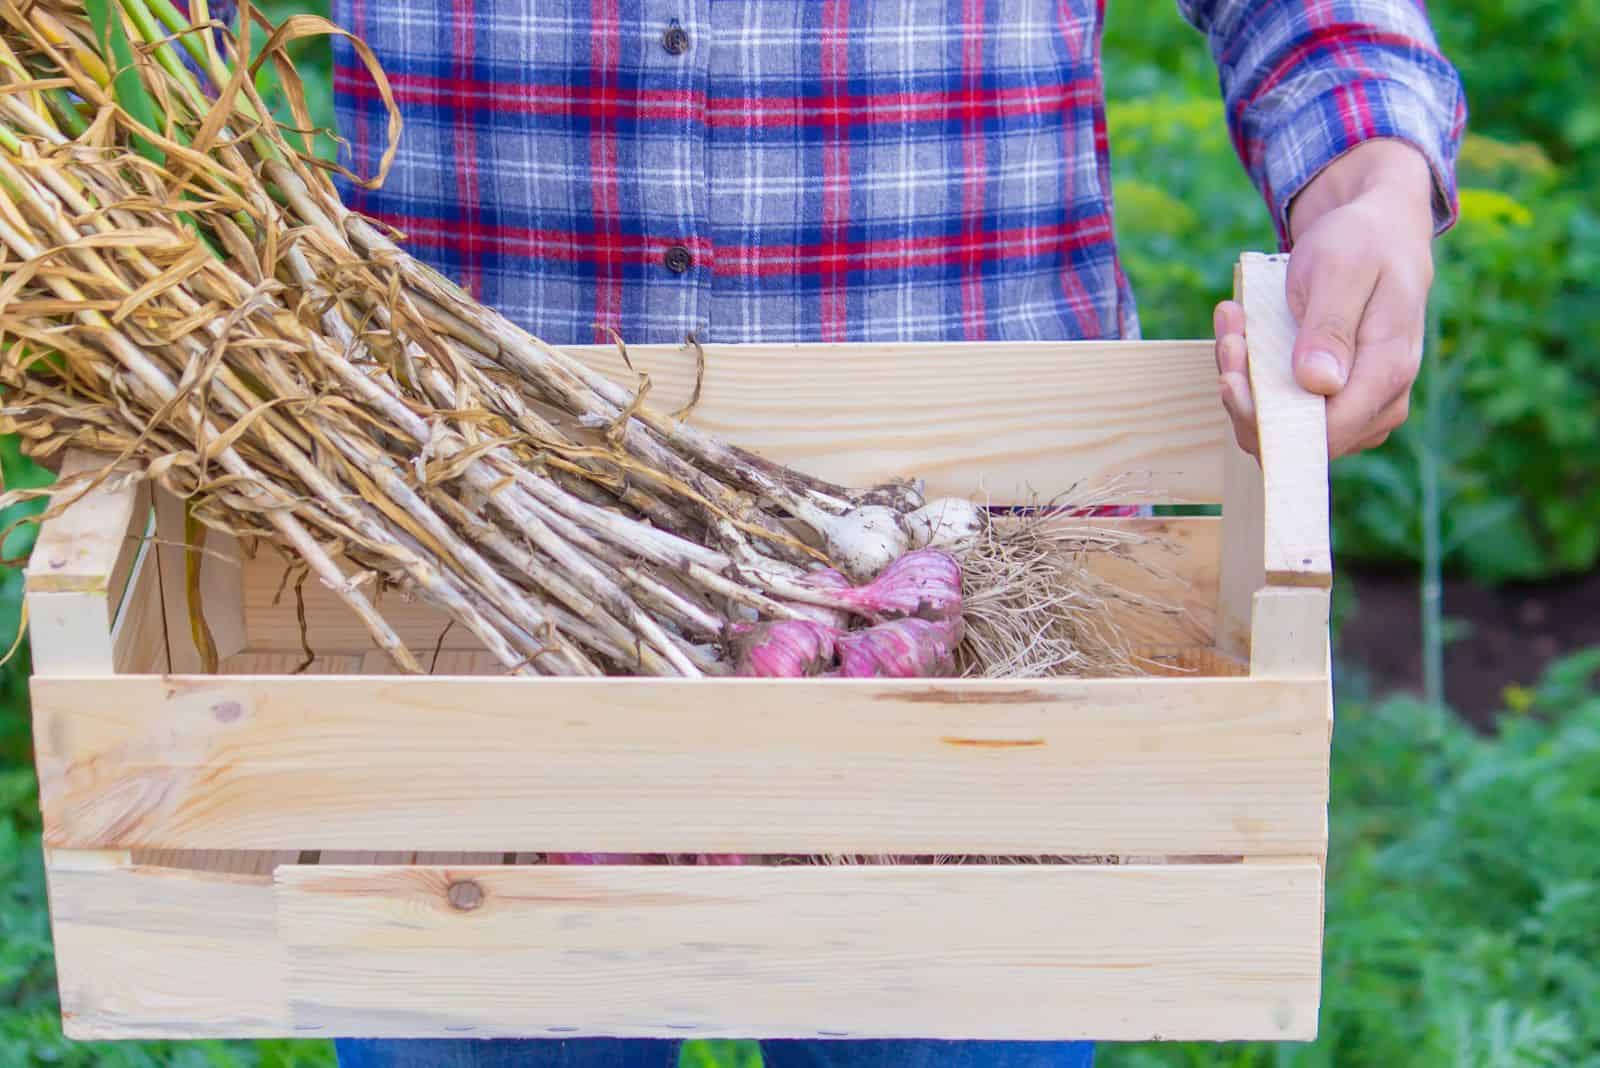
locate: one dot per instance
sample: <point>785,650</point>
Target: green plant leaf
<point>126,84</point>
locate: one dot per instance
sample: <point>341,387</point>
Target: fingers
<point>1233,378</point>
<point>1227,322</point>
<point>1241,409</point>
<point>1359,344</point>
<point>1328,295</point>
<point>1377,396</point>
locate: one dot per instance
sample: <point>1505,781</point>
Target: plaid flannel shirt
<point>788,170</point>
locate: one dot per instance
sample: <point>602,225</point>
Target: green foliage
<point>313,58</point>
<point>1518,304</point>
<point>1463,907</point>
<point>720,1054</point>
<point>1518,387</point>
<point>1184,208</point>
<point>1529,68</point>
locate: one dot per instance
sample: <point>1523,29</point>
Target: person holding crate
<point>887,170</point>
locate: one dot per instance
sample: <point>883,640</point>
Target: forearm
<point>1303,90</point>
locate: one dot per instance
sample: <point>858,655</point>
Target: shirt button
<point>678,259</point>
<point>675,40</point>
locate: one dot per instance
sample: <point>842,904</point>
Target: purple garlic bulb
<point>924,583</point>
<point>786,649</point>
<point>901,649</point>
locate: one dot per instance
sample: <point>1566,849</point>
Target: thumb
<point>1333,302</point>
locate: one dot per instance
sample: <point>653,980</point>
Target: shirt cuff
<point>1332,123</point>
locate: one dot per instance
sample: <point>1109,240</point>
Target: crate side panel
<point>1155,765</point>
<point>1007,420</point>
<point>1001,952</point>
<point>148,952</point>
<point>139,635</point>
<point>1175,564</point>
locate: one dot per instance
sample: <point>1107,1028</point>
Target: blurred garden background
<point>1463,920</point>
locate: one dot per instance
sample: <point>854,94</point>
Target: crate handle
<point>1275,510</point>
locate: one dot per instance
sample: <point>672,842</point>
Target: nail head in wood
<point>465,896</point>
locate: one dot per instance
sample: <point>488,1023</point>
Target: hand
<point>1359,272</point>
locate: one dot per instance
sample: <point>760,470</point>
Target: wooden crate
<point>347,852</point>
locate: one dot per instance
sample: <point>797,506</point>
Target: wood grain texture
<point>1207,765</point>
<point>1176,951</point>
<point>1243,551</point>
<point>1289,636</point>
<point>78,551</point>
<point>1200,661</point>
<point>240,861</point>
<point>1007,419</point>
<point>1293,429</point>
<point>139,635</point>
<point>144,952</point>
<point>1180,568</point>
<point>1027,951</point>
<point>220,598</point>
<point>1179,565</point>
<point>226,861</point>
<point>1244,535</point>
<point>70,634</point>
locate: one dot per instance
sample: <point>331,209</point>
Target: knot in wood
<point>465,896</point>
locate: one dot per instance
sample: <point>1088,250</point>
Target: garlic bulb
<point>923,582</point>
<point>786,649</point>
<point>945,523</point>
<point>865,540</point>
<point>900,649</point>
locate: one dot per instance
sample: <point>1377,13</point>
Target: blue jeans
<point>663,1053</point>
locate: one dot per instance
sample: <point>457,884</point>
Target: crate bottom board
<point>1115,952</point>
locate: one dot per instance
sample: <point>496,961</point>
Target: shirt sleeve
<point>1306,81</point>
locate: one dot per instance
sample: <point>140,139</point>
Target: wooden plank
<point>1009,419</point>
<point>228,861</point>
<point>220,598</point>
<point>139,636</point>
<point>447,662</point>
<point>251,662</point>
<point>1244,526</point>
<point>985,951</point>
<point>76,576</point>
<point>1188,663</point>
<point>1293,431</point>
<point>332,629</point>
<point>1110,766</point>
<point>1290,633</point>
<point>1185,551</point>
<point>1179,568</point>
<point>1242,570</point>
<point>78,551</point>
<point>70,634</point>
<point>145,952</point>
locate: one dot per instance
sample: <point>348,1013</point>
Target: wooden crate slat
<point>1293,426</point>
<point>1044,952</point>
<point>1153,765</point>
<point>1007,418</point>
<point>1176,951</point>
<point>146,952</point>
